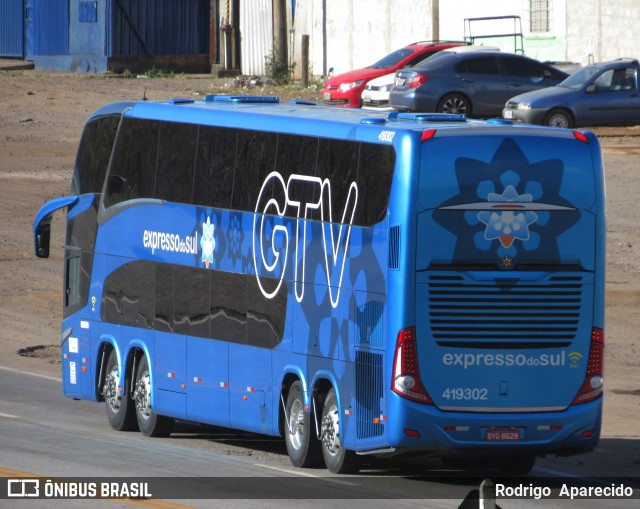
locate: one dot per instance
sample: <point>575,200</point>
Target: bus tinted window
<point>176,162</point>
<point>195,302</point>
<point>132,171</point>
<point>226,168</point>
<point>191,307</point>
<point>255,159</point>
<point>374,182</point>
<point>215,162</point>
<point>93,154</point>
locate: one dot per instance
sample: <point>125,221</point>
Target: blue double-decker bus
<point>357,282</point>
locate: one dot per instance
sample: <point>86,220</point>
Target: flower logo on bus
<point>509,204</point>
<point>507,221</point>
<point>207,243</point>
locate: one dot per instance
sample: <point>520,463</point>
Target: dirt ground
<point>41,118</point>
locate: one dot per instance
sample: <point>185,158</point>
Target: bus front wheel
<point>150,423</point>
<point>302,445</point>
<point>337,459</point>
<point>120,408</point>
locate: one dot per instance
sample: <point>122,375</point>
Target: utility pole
<point>435,20</point>
<point>280,30</point>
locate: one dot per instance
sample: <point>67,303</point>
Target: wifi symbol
<point>575,357</point>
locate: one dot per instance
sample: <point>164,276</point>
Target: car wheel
<point>455,104</point>
<point>558,118</point>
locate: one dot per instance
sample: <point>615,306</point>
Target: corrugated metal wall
<point>256,35</point>
<point>158,27</point>
<point>11,28</point>
<point>50,27</point>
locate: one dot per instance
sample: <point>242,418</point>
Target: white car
<point>376,93</point>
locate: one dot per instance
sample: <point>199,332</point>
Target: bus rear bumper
<point>418,427</point>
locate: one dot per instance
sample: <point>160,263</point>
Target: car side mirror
<point>591,88</point>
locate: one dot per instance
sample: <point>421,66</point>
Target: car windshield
<point>580,78</point>
<point>392,59</point>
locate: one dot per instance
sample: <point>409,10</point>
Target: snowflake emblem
<point>508,223</point>
<point>207,242</point>
<point>235,238</point>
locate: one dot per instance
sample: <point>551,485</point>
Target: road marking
<point>9,416</point>
<point>152,503</point>
<point>38,375</point>
<point>306,474</point>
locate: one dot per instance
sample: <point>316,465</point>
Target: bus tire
<point>302,445</point>
<point>520,464</point>
<point>150,423</point>
<point>337,459</point>
<point>120,407</point>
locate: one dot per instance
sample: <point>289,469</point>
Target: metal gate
<point>11,28</point>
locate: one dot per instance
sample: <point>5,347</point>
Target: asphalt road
<point>45,435</point>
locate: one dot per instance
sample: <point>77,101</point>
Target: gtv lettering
<point>267,258</point>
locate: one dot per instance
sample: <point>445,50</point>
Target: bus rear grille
<point>504,313</point>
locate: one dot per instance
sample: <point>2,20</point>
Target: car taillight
<point>406,375</point>
<point>592,387</point>
<point>417,80</point>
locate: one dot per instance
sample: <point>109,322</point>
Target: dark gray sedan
<point>469,83</point>
<point>599,94</point>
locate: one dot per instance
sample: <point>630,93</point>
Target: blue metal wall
<point>157,27</point>
<point>11,28</point>
<point>47,26</point>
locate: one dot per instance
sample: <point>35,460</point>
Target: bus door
<point>505,270</point>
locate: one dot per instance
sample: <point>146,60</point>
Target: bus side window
<point>93,154</point>
<point>164,298</point>
<point>214,167</point>
<point>176,162</point>
<point>338,162</point>
<point>298,155</point>
<point>375,172</point>
<point>255,159</point>
<point>72,287</point>
<point>191,301</point>
<point>133,167</point>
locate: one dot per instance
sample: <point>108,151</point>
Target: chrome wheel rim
<point>296,424</point>
<point>330,431</point>
<point>142,395</point>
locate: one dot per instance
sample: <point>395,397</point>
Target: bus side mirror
<point>43,239</point>
<point>42,222</point>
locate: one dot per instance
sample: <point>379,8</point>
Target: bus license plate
<point>503,435</point>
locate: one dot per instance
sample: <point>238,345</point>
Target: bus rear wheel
<point>337,459</point>
<point>302,445</point>
<point>150,423</point>
<point>120,408</point>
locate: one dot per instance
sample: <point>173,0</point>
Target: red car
<point>346,89</point>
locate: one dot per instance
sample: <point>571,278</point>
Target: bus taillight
<point>406,375</point>
<point>593,382</point>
